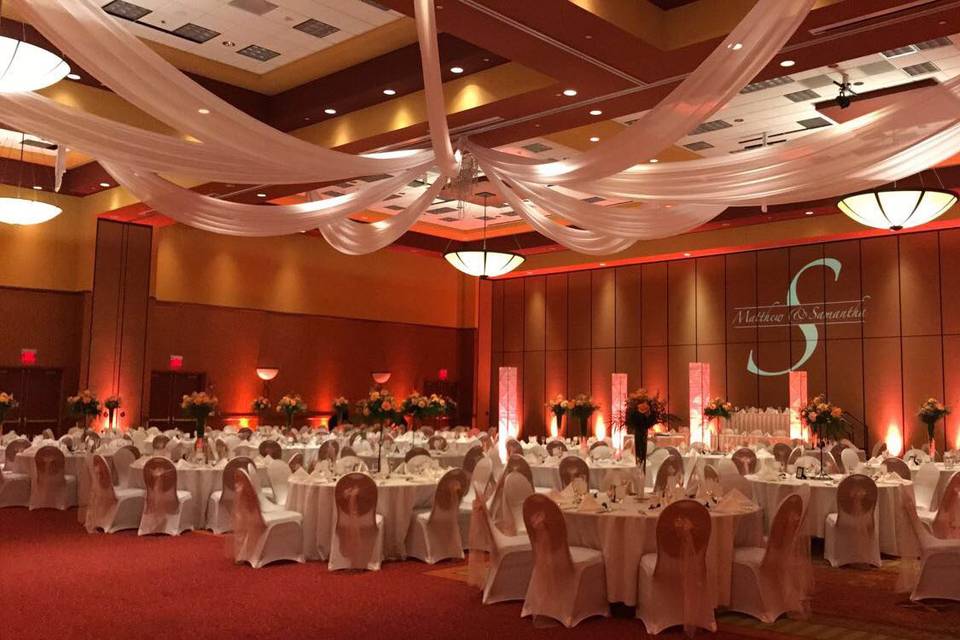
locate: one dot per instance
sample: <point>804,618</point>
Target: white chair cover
<point>357,541</point>
<point>510,562</point>
<point>14,487</point>
<point>111,508</point>
<point>261,537</point>
<point>945,523</point>
<point>928,565</point>
<point>51,488</point>
<point>166,510</point>
<point>220,503</point>
<point>435,535</point>
<point>851,535</point>
<point>925,484</point>
<point>850,460</point>
<point>278,472</point>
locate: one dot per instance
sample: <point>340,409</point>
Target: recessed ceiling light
<point>203,111</point>
<point>389,92</point>
<point>594,139</point>
<point>73,76</point>
<point>596,112</point>
<point>787,63</point>
<point>686,254</point>
<point>261,195</point>
<point>330,111</point>
<point>569,92</point>
<point>603,264</point>
<point>654,160</point>
<point>736,46</point>
<point>37,187</point>
<point>229,43</point>
<point>809,213</point>
<point>104,184</point>
<point>456,69</point>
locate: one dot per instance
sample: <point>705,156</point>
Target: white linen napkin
<point>589,504</point>
<point>733,502</point>
<point>299,474</point>
<point>767,472</point>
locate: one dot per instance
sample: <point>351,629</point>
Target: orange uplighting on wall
<point>894,440</point>
<point>600,428</point>
<point>244,423</point>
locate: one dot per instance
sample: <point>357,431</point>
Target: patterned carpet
<point>57,581</point>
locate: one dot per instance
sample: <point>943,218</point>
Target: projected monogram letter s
<point>810,333</point>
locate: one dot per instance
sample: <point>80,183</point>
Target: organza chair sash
<point>356,499</point>
<point>946,524</point>
<point>683,532</point>
<point>50,479</point>
<point>160,480</point>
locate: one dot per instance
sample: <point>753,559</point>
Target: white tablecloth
<point>765,421</point>
<point>630,531</point>
<point>548,474</point>
<point>397,499</point>
<point>74,464</point>
<point>444,459</point>
<point>823,501</point>
<point>252,450</point>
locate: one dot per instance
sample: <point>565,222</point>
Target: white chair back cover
<point>516,488</point>
<point>669,474</point>
<point>856,502</point>
<point>552,580</point>
<point>356,500</point>
<point>571,468</point>
<point>278,472</point>
<point>850,460</point>
<point>683,531</point>
<point>49,486</point>
<point>898,466</point>
<point>103,499</point>
<point>122,459</point>
<point>925,483</point>
<point>946,524</point>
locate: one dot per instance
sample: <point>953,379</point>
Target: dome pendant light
<point>897,208</point>
<point>27,67</point>
<point>483,263</point>
<point>24,211</point>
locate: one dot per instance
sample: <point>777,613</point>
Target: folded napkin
<point>733,502</point>
<point>532,458</point>
<point>568,493</point>
<point>299,474</point>
<point>320,474</point>
<point>767,472</point>
<point>589,503</point>
<point>892,477</point>
<point>182,463</point>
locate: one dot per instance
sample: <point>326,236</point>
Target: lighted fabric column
<point>798,400</point>
<point>618,398</point>
<point>699,396</point>
<point>509,422</point>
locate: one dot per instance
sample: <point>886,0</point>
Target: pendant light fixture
<point>27,67</point>
<point>25,211</point>
<point>898,208</point>
<point>483,263</point>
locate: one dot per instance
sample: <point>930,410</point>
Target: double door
<point>39,392</point>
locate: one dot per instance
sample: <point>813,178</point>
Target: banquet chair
<point>122,459</point>
<point>669,474</point>
<point>556,448</point>
<point>781,453</point>
<point>426,432</point>
<point>482,484</point>
<point>349,464</point>
<point>14,487</point>
<point>514,447</point>
<point>159,443</point>
<point>270,449</point>
<point>849,460</point>
<point>851,535</point>
<point>111,508</point>
<point>437,443</point>
<point>245,433</point>
<point>435,535</point>
<point>328,451</point>
<point>878,449</point>
<point>470,459</point>
<point>654,460</point>
<point>295,462</point>
<point>567,584</point>
<point>12,451</point>
<point>945,521</point>
<point>810,464</point>
<point>220,503</point>
<point>278,473</point>
<point>348,452</point>
<point>836,451</point>
<point>67,442</point>
<point>486,442</point>
<point>939,559</point>
<point>710,474</point>
<point>925,486</point>
<point>768,581</point>
<point>600,451</point>
<point>519,463</point>
<point>357,541</point>
<point>916,457</point>
<point>795,455</point>
<point>898,466</point>
<point>166,509</point>
<point>261,537</point>
<point>51,488</point>
<point>571,468</point>
<point>745,460</point>
<point>414,452</point>
<point>511,559</point>
<point>672,588</point>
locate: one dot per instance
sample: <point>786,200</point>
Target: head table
<point>398,499</point>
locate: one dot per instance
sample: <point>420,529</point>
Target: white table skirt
<point>200,481</point>
<point>287,451</point>
<point>547,475</point>
<point>74,464</point>
<point>626,534</point>
<point>823,501</point>
<point>397,499</point>
<point>765,421</point>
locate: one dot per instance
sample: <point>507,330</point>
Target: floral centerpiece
<point>931,412</point>
<point>641,412</point>
<point>7,402</point>
<point>341,409</point>
<point>420,407</point>
<point>261,406</point>
<point>291,405</point>
<point>111,404</point>
<point>582,407</point>
<point>825,420</point>
<point>379,407</point>
<point>559,407</point>
<point>718,408</point>
<point>84,405</point>
<point>199,405</point>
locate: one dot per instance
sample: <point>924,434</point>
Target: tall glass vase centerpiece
<point>422,408</point>
<point>641,412</point>
<point>7,402</point>
<point>291,405</point>
<point>931,412</point>
<point>717,410</point>
<point>581,408</point>
<point>826,421</point>
<point>380,407</point>
<point>261,406</point>
<point>84,406</point>
<point>112,405</point>
<point>341,411</point>
<point>199,405</point>
<point>559,407</point>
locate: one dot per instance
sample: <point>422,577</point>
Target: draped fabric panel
<point>433,85</point>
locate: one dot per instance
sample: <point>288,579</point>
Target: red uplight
<point>28,356</point>
<point>176,362</point>
<point>443,374</point>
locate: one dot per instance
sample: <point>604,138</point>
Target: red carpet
<point>59,582</point>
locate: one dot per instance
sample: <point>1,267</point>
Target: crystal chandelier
<point>897,208</point>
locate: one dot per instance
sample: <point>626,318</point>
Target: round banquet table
<point>629,531</point>
<point>397,499</point>
<point>444,458</point>
<point>74,464</point>
<point>945,475</point>
<point>547,474</point>
<point>287,451</point>
<point>199,479</point>
<point>823,501</point>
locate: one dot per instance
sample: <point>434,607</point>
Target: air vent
<point>374,178</point>
<point>936,43</point>
<point>256,7</point>
<point>486,194</point>
<point>344,185</point>
<point>920,69</point>
<point>537,147</point>
<point>39,144</point>
<point>126,10</point>
<point>450,219</point>
<point>393,196</point>
<point>698,146</point>
<point>257,52</point>
<point>485,217</point>
<point>442,210</point>
<point>394,207</point>
<point>375,5</point>
<point>801,96</point>
<point>876,68</point>
<point>593,199</point>
<point>316,28</point>
<point>416,183</point>
<point>713,125</point>
<point>817,82</point>
<point>899,52</point>
<point>814,123</point>
<point>510,213</point>
<point>195,33</point>
<point>332,194</point>
<point>766,84</point>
